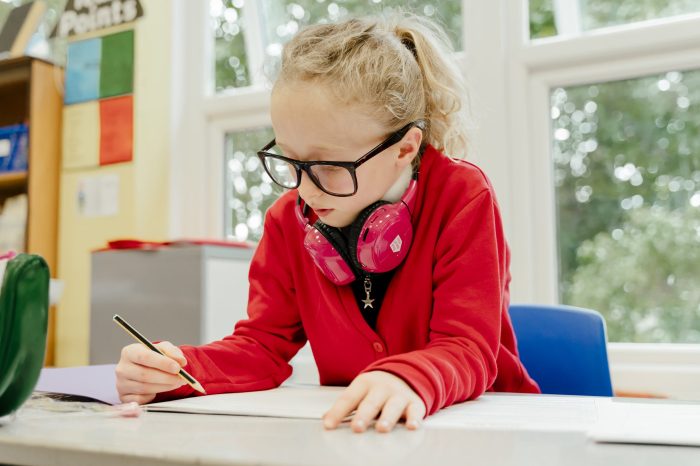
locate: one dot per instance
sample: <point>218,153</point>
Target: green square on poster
<point>117,68</point>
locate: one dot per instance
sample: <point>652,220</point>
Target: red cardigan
<point>443,326</point>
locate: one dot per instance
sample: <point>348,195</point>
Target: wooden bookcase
<point>31,92</point>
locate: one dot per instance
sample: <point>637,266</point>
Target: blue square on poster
<point>83,71</point>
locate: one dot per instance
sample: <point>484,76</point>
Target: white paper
<point>503,411</point>
<point>109,195</point>
<point>88,200</point>
<point>98,196</point>
<point>292,401</point>
<point>648,422</point>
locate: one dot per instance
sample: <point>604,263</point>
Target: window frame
<point>513,76</point>
<point>534,68</point>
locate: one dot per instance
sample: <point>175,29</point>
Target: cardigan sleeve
<point>256,356</point>
<point>470,274</point>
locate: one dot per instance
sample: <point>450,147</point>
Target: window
<point>40,45</point>
<point>626,161</point>
<point>602,117</point>
<point>234,21</point>
<point>231,64</point>
<point>552,17</point>
<point>250,191</point>
<point>612,176</point>
<point>542,19</point>
<point>603,13</point>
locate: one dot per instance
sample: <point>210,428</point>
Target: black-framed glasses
<point>334,178</point>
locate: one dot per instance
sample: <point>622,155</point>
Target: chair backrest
<point>563,348</point>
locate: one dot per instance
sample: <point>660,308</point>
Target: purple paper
<point>97,382</point>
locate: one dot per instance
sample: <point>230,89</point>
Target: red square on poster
<point>116,130</point>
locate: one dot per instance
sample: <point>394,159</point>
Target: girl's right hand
<point>141,372</point>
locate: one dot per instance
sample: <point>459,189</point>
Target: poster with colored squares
<point>98,114</point>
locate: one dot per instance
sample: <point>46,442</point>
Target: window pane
<point>602,13</point>
<point>282,19</point>
<point>542,19</point>
<point>627,180</point>
<point>230,66</point>
<point>249,191</point>
<point>586,15</point>
<point>40,45</point>
<point>285,18</point>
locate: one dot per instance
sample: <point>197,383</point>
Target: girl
<point>392,264</point>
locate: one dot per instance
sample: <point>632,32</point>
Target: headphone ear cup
<point>357,229</point>
<point>325,244</point>
<point>334,237</point>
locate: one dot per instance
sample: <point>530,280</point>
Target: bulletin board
<point>98,115</point>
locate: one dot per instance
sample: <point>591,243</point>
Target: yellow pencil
<point>141,339</point>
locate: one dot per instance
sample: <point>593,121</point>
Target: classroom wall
<point>142,184</point>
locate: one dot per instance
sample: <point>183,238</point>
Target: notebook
<point>287,401</point>
<point>96,382</point>
<point>648,422</point>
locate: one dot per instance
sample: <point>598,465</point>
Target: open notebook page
<point>288,401</point>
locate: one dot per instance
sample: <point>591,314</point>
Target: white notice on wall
<point>109,195</point>
<point>98,196</point>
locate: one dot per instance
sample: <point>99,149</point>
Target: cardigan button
<point>378,347</point>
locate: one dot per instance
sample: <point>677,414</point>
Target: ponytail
<point>446,96</point>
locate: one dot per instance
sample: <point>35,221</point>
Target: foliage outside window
<point>627,180</point>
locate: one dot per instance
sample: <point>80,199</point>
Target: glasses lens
<point>281,172</point>
<point>334,179</point>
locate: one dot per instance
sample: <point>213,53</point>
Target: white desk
<point>165,438</point>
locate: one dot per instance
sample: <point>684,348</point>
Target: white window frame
<point>511,78</point>
<point>532,70</point>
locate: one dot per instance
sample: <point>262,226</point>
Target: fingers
<point>142,373</point>
<point>139,392</point>
<point>140,384</point>
<point>369,409</point>
<point>372,393</point>
<point>415,412</point>
<point>345,404</point>
<point>391,413</point>
<point>140,399</point>
<point>145,388</point>
<point>143,356</point>
<point>172,352</point>
<point>147,375</point>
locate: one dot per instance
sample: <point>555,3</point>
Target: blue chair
<point>563,348</point>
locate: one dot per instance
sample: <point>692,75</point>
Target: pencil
<point>141,339</point>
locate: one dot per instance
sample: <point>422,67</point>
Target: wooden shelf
<point>30,93</point>
<point>15,71</point>
<point>12,180</point>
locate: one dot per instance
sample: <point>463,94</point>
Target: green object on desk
<point>24,309</point>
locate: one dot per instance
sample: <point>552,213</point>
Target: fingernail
<point>360,424</point>
<point>327,423</point>
<point>383,424</point>
<point>412,424</point>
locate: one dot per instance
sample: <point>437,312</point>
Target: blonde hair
<point>398,67</point>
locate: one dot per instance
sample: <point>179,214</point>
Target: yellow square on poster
<point>81,135</point>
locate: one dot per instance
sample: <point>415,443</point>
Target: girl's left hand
<point>372,393</point>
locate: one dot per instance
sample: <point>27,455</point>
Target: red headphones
<point>379,239</point>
